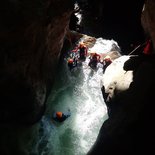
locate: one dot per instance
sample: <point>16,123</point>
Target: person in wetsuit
<point>72,62</point>
<point>60,116</point>
<point>82,50</point>
<point>95,58</point>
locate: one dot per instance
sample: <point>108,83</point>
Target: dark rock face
<point>129,128</point>
<point>148,20</point>
<point>118,20</point>
<point>31,37</point>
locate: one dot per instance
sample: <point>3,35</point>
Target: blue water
<point>80,92</point>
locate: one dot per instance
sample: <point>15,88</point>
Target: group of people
<point>96,58</point>
<point>80,52</point>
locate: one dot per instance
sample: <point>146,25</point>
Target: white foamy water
<point>79,91</point>
<point>103,46</point>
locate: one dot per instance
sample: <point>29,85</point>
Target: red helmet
<point>70,61</point>
<point>59,114</point>
<point>107,58</point>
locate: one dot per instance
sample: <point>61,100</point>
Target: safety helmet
<point>81,44</point>
<point>107,58</point>
<point>59,114</point>
<point>70,60</point>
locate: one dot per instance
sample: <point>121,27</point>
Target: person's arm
<point>99,56</point>
<point>75,49</point>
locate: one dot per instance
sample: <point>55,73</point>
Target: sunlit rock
<point>115,78</point>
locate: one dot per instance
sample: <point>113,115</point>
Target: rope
<point>137,48</point>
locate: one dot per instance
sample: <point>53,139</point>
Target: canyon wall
<point>32,34</point>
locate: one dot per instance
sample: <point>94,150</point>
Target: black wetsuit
<point>82,53</point>
<point>73,64</point>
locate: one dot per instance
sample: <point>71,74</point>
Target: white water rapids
<point>79,91</point>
